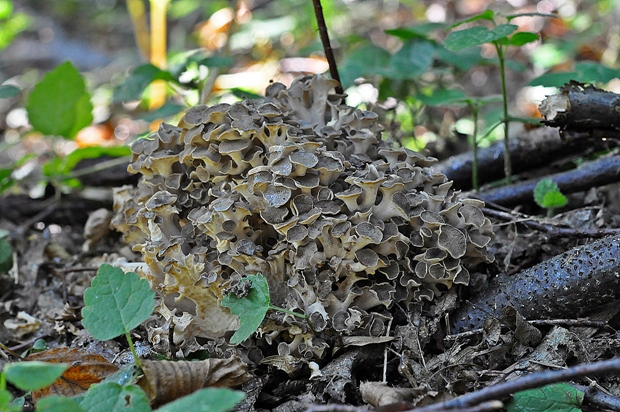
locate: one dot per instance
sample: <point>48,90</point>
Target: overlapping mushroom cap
<point>298,187</point>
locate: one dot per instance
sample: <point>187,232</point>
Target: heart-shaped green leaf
<point>116,303</point>
<point>250,309</point>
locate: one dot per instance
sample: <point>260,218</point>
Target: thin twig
<point>599,398</point>
<point>534,380</point>
<point>552,231</point>
<point>329,53</point>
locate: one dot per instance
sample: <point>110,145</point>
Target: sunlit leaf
<point>59,105</point>
<point>116,303</point>
<point>521,38</point>
<point>250,309</point>
<point>547,194</point>
<point>134,85</point>
<point>558,397</point>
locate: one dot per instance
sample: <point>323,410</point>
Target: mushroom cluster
<point>300,188</point>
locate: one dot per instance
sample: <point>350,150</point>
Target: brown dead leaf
<point>84,370</point>
<point>165,381</point>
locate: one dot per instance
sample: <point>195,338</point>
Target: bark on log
<point>597,173</point>
<point>531,150</point>
<point>566,286</point>
<point>582,107</point>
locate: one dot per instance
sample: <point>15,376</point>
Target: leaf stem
<point>290,312</point>
<point>474,167</point>
<point>133,349</point>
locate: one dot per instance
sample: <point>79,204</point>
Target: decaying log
<point>533,149</point>
<point>566,286</point>
<point>582,107</point>
<point>603,171</point>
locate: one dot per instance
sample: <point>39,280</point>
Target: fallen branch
<point>568,285</point>
<point>582,107</point>
<point>600,172</point>
<point>533,149</point>
<point>533,380</point>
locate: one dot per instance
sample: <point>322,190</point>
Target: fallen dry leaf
<point>165,381</point>
<point>84,370</point>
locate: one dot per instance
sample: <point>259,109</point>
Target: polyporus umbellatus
<point>298,187</point>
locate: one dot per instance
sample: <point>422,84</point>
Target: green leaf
<point>30,376</point>
<point>168,109</point>
<point>554,199</point>
<point>419,31</point>
<point>412,60</point>
<point>112,397</point>
<point>485,15</point>
<point>443,97</point>
<point>558,397</point>
<point>250,309</point>
<point>57,167</point>
<point>134,85</point>
<point>461,59</point>
<point>6,179</point>
<point>6,255</point>
<point>206,400</point>
<point>365,59</point>
<point>59,105</point>
<point>521,38</point>
<point>116,303</point>
<point>5,402</point>
<point>476,36</point>
<point>548,195</point>
<point>7,91</point>
<point>553,79</point>
<point>57,403</point>
<point>590,72</point>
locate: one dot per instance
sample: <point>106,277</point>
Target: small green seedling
<point>501,36</point>
<point>116,303</point>
<point>252,308</point>
<point>547,194</point>
<point>559,397</point>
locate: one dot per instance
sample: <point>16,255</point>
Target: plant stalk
<point>141,31</point>
<point>158,50</point>
<point>474,163</point>
<point>506,120</point>
<point>133,349</point>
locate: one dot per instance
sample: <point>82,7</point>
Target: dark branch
<point>329,53</point>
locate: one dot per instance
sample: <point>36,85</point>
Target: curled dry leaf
<point>86,369</point>
<point>165,381</point>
